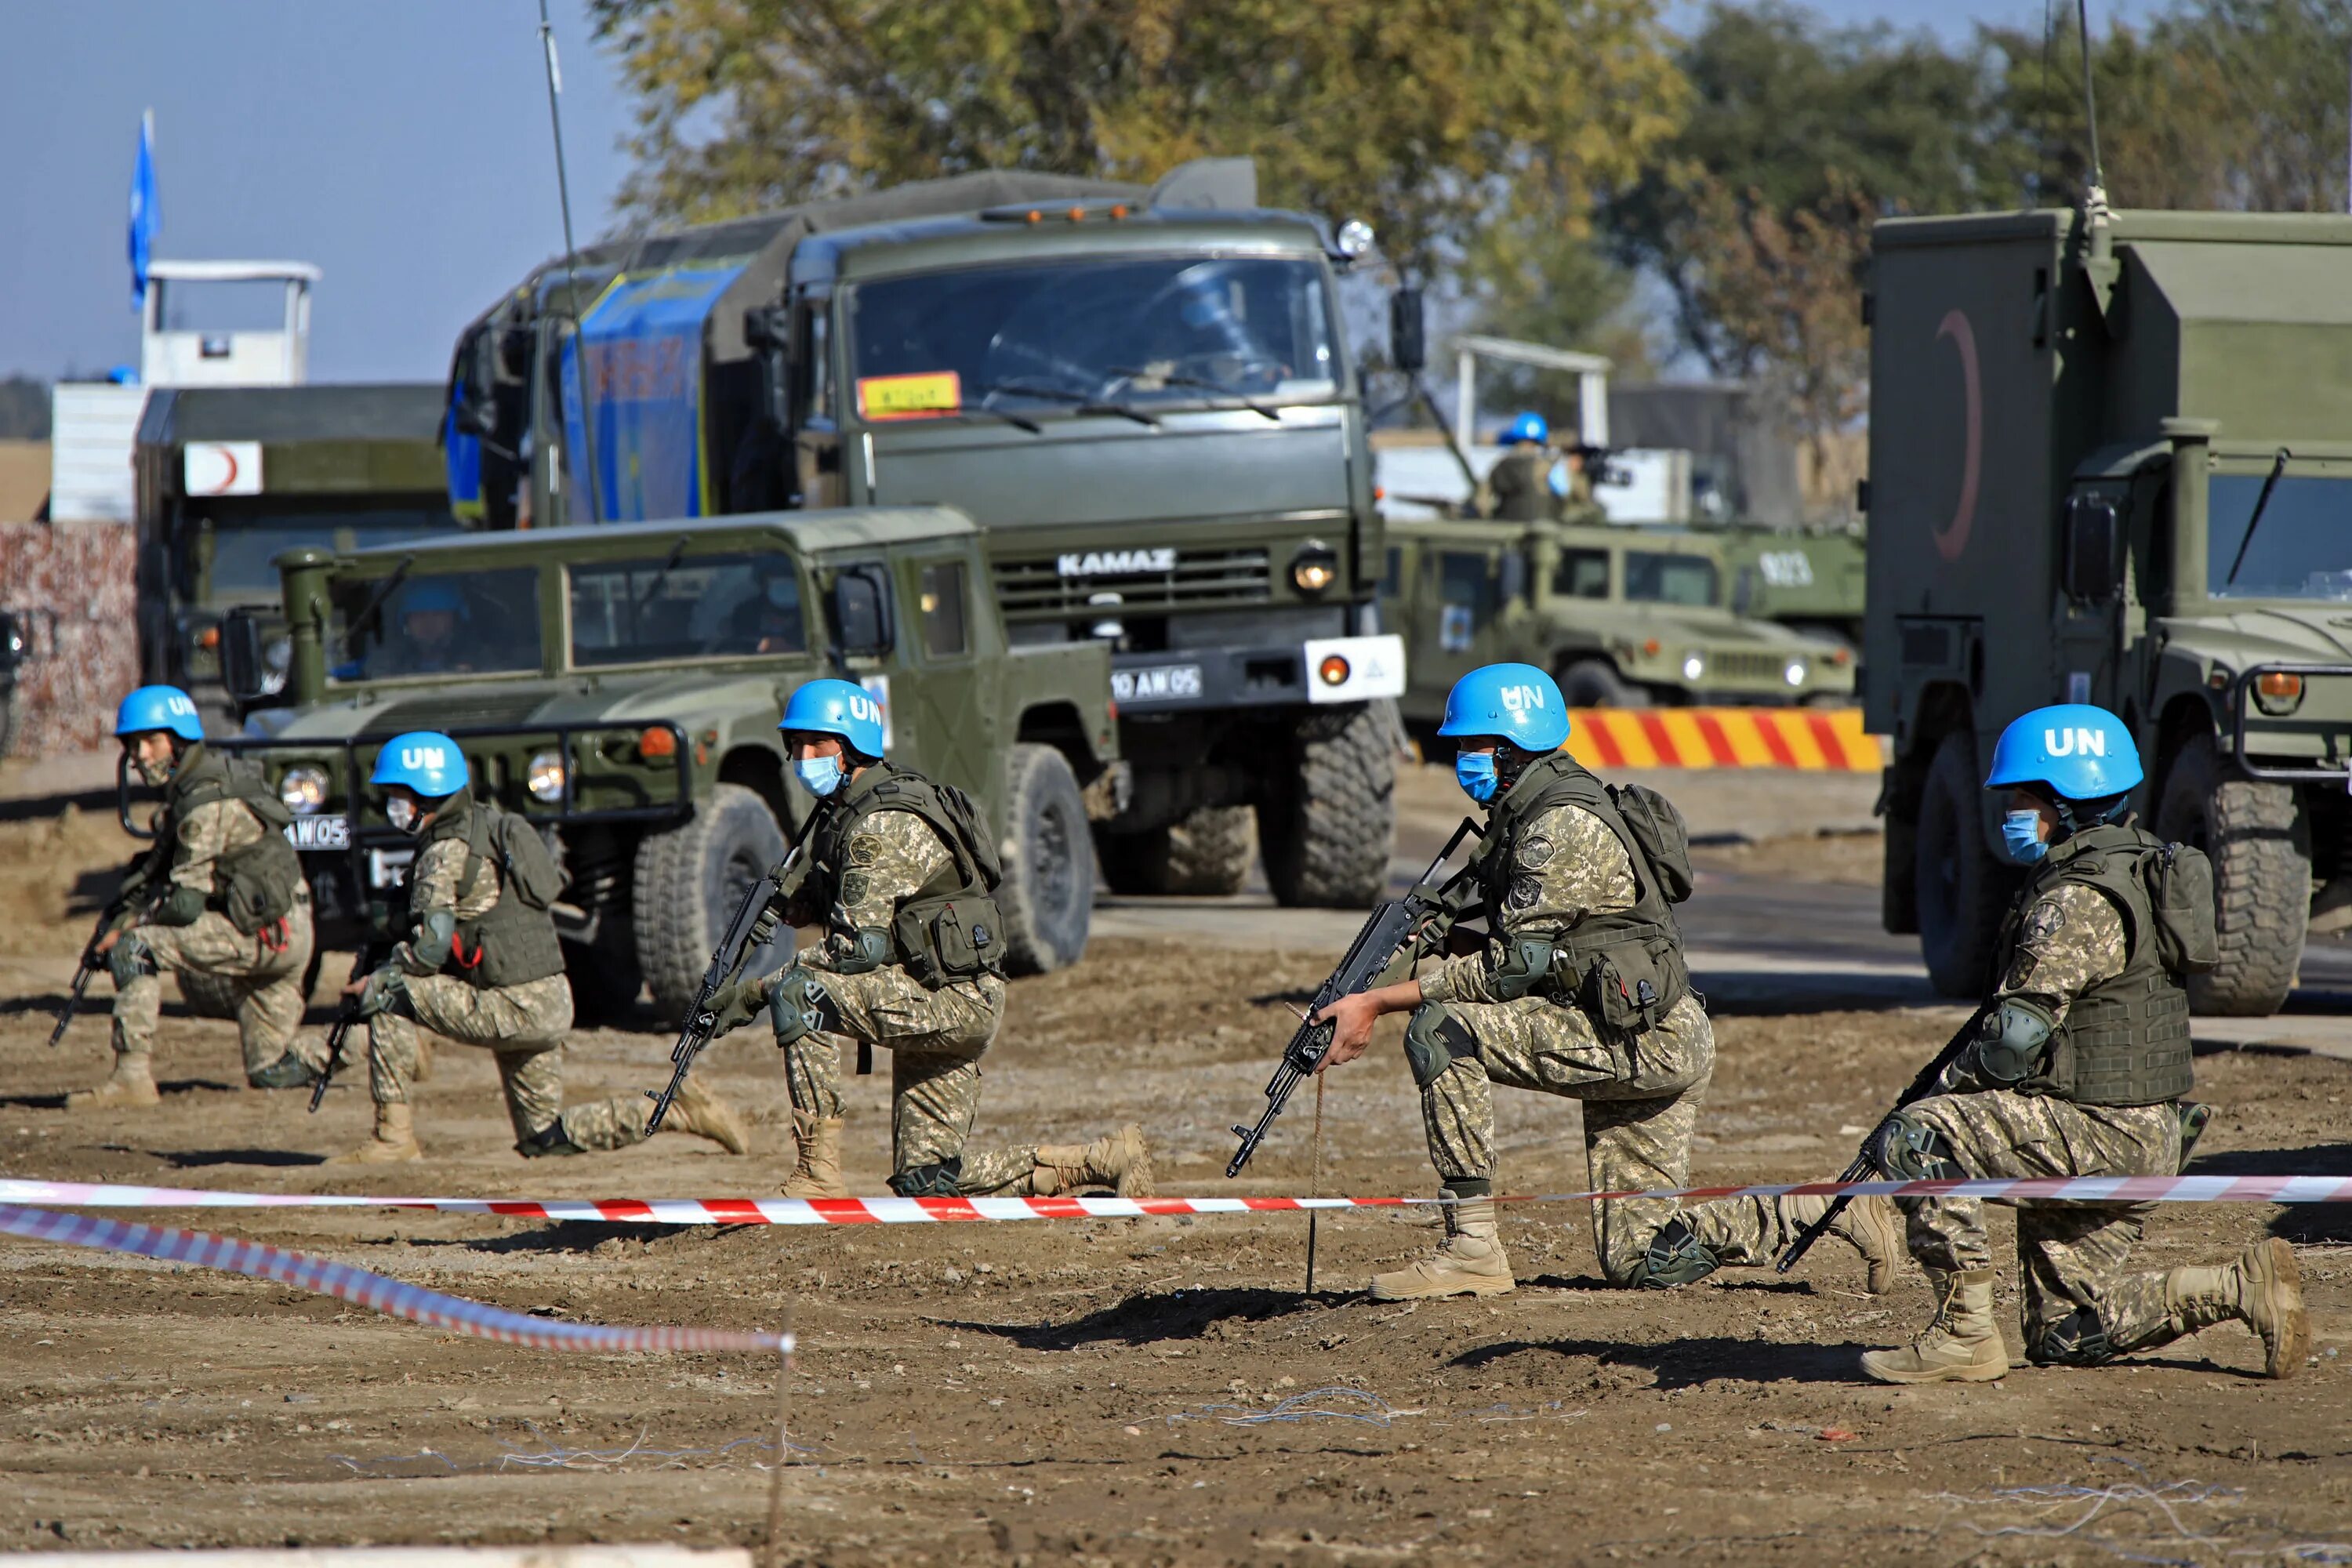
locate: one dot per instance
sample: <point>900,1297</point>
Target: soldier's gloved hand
<point>378,991</point>
<point>736,1004</point>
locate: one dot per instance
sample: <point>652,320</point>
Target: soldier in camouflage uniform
<point>220,895</point>
<point>1520,480</point>
<point>2078,1069</point>
<point>482,965</point>
<point>1585,996</point>
<point>901,874</point>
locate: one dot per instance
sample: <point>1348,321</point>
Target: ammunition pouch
<point>255,886</point>
<point>128,959</point>
<point>1627,981</point>
<point>948,937</point>
<point>513,944</point>
<point>2013,1040</point>
<point>939,1180</point>
<point>1433,1040</point>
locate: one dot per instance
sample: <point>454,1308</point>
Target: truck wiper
<point>390,586</point>
<point>670,564</point>
<point>1020,420</point>
<point>1079,402</point>
<point>1201,384</point>
<point>2261,500</point>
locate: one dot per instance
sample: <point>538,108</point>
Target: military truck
<point>2110,462</point>
<point>1142,394</point>
<point>1810,580</point>
<point>1622,618</point>
<point>620,686</point>
<point>229,477</point>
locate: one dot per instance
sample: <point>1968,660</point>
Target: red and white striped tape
<point>926,1210</point>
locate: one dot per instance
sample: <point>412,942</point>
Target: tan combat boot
<point>1469,1261</point>
<point>133,1082</point>
<point>816,1172</point>
<point>2262,1289</point>
<point>1961,1345</point>
<point>1121,1161</point>
<point>1871,1227</point>
<point>698,1110</point>
<point>394,1143</point>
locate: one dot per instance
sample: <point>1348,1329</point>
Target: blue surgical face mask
<point>2022,831</point>
<point>819,775</point>
<point>1475,771</point>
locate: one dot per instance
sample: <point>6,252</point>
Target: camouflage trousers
<point>1641,1093</point>
<point>524,1025</point>
<point>266,980</point>
<point>2073,1257</point>
<point>936,1039</point>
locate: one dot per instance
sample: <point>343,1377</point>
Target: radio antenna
<point>2094,200</point>
<point>570,256</point>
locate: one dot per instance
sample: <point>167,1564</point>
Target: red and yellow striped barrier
<point>1813,740</point>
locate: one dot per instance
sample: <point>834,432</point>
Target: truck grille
<point>1750,666</point>
<point>1189,579</point>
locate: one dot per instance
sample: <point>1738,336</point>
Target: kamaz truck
<point>2110,462</point>
<point>1141,395</point>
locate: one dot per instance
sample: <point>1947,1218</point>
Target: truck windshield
<point>1153,331</point>
<point>1669,579</point>
<point>694,607</point>
<point>436,622</point>
<point>228,554</point>
<point>2302,548</point>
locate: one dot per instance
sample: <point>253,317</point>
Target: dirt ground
<point>1133,1391</point>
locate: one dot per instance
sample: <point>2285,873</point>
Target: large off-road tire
<point>208,995</point>
<point>606,978</point>
<point>1207,854</point>
<point>2260,847</point>
<point>689,880</point>
<point>1327,823</point>
<point>1963,887</point>
<point>1048,896</point>
<point>1595,683</point>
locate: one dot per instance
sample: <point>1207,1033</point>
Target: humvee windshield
<point>697,607</point>
<point>436,622</point>
<point>1138,330</point>
<point>1582,575</point>
<point>2302,548</point>
<point>1655,578</point>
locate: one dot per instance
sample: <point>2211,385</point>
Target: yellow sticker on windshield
<point>909,396</point>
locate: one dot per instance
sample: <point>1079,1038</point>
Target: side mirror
<point>2093,570</point>
<point>1408,331</point>
<point>253,664</point>
<point>861,610</point>
<point>768,327</point>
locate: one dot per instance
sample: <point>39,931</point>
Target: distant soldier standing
<point>1521,477</point>
<point>901,874</point>
<point>1584,993</point>
<point>482,965</point>
<point>2082,1058</point>
<point>225,899</point>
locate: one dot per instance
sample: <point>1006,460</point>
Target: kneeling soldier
<point>228,903</point>
<point>482,965</point>
<point>2083,1058</point>
<point>902,873</point>
<point>1584,994</point>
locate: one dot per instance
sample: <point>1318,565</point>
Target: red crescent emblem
<point>1953,537</point>
<point>229,483</point>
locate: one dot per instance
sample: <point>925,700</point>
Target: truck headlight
<point>1694,665</point>
<point>1354,238</point>
<point>1795,674</point>
<point>2278,692</point>
<point>545,777</point>
<point>1315,568</point>
<point>303,789</point>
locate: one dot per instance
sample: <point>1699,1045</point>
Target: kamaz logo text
<point>2074,744</point>
<point>424,757</point>
<point>1114,562</point>
<point>1522,699</point>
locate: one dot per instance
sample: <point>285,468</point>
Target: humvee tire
<point>1207,854</point>
<point>1962,886</point>
<point>2261,877</point>
<point>1327,830</point>
<point>606,978</point>
<point>1048,898</point>
<point>1595,683</point>
<point>688,881</point>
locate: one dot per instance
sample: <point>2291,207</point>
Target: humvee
<point>620,686</point>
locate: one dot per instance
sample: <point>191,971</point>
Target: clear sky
<point>402,147</point>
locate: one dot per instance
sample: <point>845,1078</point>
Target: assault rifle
<point>92,960</point>
<point>751,926</point>
<point>1420,920</point>
<point>1865,1167</point>
<point>363,964</point>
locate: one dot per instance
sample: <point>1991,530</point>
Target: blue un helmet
<point>2073,750</point>
<point>840,708</point>
<point>1516,703</point>
<point>152,707</point>
<point>430,598</point>
<point>424,760</point>
<point>1529,426</point>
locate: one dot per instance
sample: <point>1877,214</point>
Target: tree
<point>1420,116</point>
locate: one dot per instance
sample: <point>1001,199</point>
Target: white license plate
<point>389,867</point>
<point>1160,683</point>
<point>320,833</point>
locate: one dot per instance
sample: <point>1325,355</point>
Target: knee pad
<point>1675,1257</point>
<point>549,1140</point>
<point>130,959</point>
<point>939,1180</point>
<point>799,1006</point>
<point>2078,1340</point>
<point>1433,1040</point>
<point>1910,1150</point>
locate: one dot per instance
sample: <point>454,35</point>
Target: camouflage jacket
<point>1571,866</point>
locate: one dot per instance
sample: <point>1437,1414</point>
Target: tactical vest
<point>1623,967</point>
<point>2124,1041</point>
<point>254,885</point>
<point>515,941</point>
<point>951,929</point>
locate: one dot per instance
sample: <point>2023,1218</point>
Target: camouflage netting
<point>75,585</point>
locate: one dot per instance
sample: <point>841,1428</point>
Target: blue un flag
<point>144,215</point>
